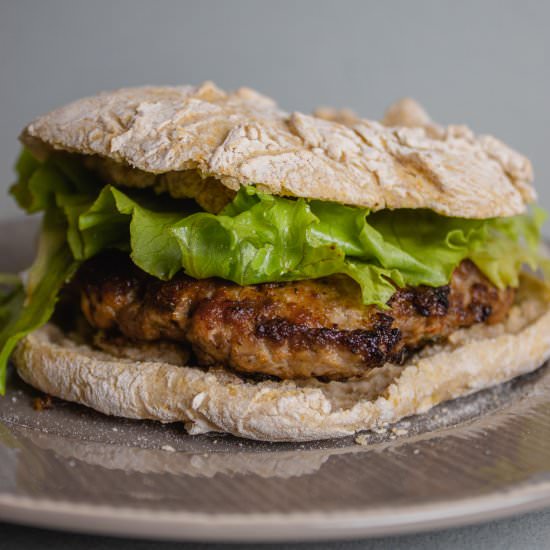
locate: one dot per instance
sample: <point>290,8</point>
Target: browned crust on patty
<point>289,330</point>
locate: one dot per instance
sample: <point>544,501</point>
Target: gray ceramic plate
<point>478,458</point>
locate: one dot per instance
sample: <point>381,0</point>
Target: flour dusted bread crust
<point>242,138</point>
<point>217,400</point>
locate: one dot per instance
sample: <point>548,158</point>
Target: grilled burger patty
<point>289,330</point>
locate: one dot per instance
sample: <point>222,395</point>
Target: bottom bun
<point>218,400</point>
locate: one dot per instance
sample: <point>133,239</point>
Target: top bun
<point>242,138</point>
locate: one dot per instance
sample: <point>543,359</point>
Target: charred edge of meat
<point>431,301</point>
<point>479,307</point>
<point>375,346</point>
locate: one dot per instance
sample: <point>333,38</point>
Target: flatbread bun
<point>201,138</point>
<point>220,401</point>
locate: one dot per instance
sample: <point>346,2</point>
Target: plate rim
<point>143,523</point>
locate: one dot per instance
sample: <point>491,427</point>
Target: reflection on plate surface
<point>491,448</point>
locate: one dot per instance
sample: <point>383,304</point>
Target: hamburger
<point>207,258</point>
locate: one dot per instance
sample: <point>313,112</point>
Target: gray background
<point>484,63</point>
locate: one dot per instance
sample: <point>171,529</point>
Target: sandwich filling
<point>270,285</point>
<point>302,329</point>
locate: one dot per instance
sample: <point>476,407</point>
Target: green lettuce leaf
<point>261,238</point>
<point>24,310</point>
<point>115,220</point>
